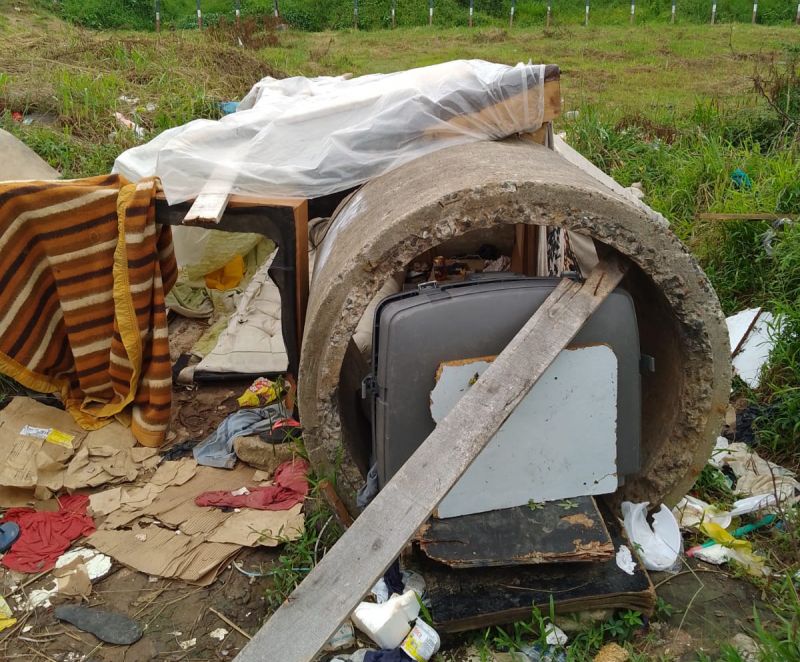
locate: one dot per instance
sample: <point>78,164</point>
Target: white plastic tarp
<point>308,137</point>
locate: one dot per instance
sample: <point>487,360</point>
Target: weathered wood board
<point>554,532</point>
<point>480,597</point>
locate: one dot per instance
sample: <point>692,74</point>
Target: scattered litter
<point>423,642</point>
<point>126,99</point>
<point>387,624</point>
<point>755,476</point>
<point>228,107</point>
<point>659,546</point>
<point>739,550</point>
<point>542,653</point>
<point>141,537</point>
<point>259,394</point>
<point>27,629</point>
<point>741,179</point>
<point>216,450</point>
<point>554,635</point>
<point>219,634</point>
<point>129,124</point>
<point>625,560</point>
<point>691,511</point>
<point>751,333</point>
<point>46,535</point>
<point>6,615</point>
<point>108,626</point>
<point>150,107</point>
<point>344,637</point>
<point>290,488</point>
<point>189,643</point>
<point>208,538</point>
<point>40,597</point>
<point>97,565</point>
<point>9,532</point>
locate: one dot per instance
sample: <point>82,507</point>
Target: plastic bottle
<point>422,642</point>
<point>388,623</point>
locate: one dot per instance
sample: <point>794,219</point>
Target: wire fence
<point>313,15</point>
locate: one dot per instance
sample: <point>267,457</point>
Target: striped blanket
<point>83,275</point>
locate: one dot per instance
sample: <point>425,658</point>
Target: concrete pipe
<point>398,216</point>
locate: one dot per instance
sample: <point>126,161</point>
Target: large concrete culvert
<point>398,216</point>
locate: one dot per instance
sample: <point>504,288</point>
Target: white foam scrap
<point>625,560</point>
<point>219,634</point>
<point>186,645</point>
<point>97,564</point>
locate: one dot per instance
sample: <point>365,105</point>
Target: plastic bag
<point>308,137</point>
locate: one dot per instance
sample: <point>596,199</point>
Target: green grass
<point>313,15</point>
<point>673,107</point>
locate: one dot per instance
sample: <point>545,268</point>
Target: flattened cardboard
<point>165,553</point>
<point>268,528</point>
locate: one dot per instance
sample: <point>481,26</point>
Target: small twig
<point>40,654</point>
<point>228,621</point>
<point>319,538</point>
<point>689,572</point>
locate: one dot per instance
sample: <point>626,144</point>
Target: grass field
<point>674,107</point>
<point>313,15</point>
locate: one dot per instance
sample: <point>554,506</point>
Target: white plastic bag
<point>308,137</point>
<point>658,545</point>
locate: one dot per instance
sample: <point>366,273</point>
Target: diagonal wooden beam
<point>327,596</point>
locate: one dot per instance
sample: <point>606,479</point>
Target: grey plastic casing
<point>416,331</point>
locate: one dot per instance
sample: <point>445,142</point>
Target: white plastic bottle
<point>422,642</point>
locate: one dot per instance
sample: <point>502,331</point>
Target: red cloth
<point>44,536</point>
<point>290,488</point>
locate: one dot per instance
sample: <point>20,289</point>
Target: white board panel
<point>560,441</point>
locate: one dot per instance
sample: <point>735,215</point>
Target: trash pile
<point>764,490</point>
<point>79,504</point>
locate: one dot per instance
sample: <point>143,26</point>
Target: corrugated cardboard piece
<point>43,449</point>
<point>171,536</point>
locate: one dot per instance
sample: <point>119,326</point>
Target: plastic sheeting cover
<point>308,137</point>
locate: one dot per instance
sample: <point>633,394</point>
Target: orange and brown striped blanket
<point>83,274</point>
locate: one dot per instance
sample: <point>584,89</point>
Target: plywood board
<point>560,441</point>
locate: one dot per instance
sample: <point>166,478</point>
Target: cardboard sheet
<point>268,528</point>
<point>183,540</point>
<point>43,449</point>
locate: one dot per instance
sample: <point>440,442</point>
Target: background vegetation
<point>314,15</point>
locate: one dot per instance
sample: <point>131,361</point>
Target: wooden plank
<point>300,215</point>
<point>553,532</point>
<point>207,209</point>
<point>316,608</point>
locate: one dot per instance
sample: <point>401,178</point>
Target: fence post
<point>355,14</point>
<point>238,12</point>
<point>713,13</point>
<point>471,11</point>
<point>672,19</point>
<point>199,16</point>
<point>586,15</point>
<point>430,12</point>
<point>755,12</point>
<point>158,16</point>
<point>511,16</point>
<point>797,20</point>
<point>394,11</point>
<point>548,16</point>
<point>633,10</point>
<point>275,11</point>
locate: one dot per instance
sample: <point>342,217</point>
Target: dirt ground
<point>709,607</point>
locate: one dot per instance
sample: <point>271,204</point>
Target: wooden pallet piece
<point>316,608</point>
